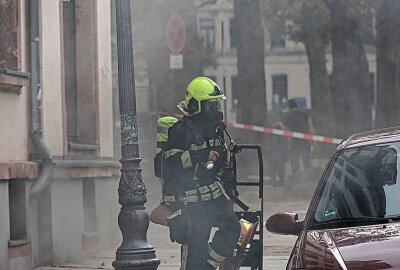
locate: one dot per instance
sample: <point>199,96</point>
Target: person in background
<point>298,120</point>
<point>279,151</point>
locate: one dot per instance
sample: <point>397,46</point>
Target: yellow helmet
<point>198,90</point>
<point>163,124</point>
<point>166,121</point>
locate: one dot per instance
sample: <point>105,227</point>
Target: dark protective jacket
<point>187,179</point>
<point>189,143</point>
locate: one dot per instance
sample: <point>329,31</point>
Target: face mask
<point>213,111</point>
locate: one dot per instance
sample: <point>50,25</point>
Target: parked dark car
<point>353,221</point>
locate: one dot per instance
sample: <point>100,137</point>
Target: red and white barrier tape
<point>286,133</point>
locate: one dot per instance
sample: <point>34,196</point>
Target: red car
<point>353,221</point>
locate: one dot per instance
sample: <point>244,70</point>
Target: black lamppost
<point>133,220</point>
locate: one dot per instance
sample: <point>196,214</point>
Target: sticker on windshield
<point>330,212</point>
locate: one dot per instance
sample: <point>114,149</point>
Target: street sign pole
<point>133,220</point>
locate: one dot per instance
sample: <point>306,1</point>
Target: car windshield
<point>361,184</point>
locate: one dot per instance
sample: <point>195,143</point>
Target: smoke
<point>291,71</point>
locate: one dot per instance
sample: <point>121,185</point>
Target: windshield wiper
<point>349,221</point>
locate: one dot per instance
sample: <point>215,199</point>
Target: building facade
<point>286,63</point>
<point>58,173</point>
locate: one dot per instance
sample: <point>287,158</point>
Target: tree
<point>312,19</point>
<point>388,63</point>
<point>249,36</point>
<point>350,81</point>
<point>346,26</point>
<point>308,25</point>
<point>251,95</point>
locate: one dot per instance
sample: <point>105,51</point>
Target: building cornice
<point>18,170</point>
<point>63,169</point>
<point>85,168</point>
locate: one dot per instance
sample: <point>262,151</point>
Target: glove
<point>179,226</point>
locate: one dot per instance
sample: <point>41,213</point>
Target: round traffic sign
<point>176,34</point>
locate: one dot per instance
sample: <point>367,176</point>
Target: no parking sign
<point>176,37</point>
<point>176,34</point>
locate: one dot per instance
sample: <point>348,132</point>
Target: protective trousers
<point>300,149</point>
<point>198,254</point>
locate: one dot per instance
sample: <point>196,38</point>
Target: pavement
<point>169,260</point>
<point>277,248</point>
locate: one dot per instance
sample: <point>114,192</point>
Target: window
<point>89,205</point>
<point>80,65</point>
<point>361,182</point>
<point>278,35</point>
<point>9,35</point>
<point>89,236</point>
<point>16,193</point>
<point>279,90</point>
<point>70,69</point>
<point>235,91</point>
<point>233,41</point>
<point>11,77</point>
<point>207,32</point>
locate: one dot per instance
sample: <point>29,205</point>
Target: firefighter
<point>159,213</point>
<point>193,164</point>
<point>163,124</point>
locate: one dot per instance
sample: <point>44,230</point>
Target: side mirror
<point>284,223</point>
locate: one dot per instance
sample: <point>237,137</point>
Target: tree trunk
<point>251,93</point>
<point>388,64</point>
<point>350,83</point>
<point>321,102</point>
<point>248,31</point>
